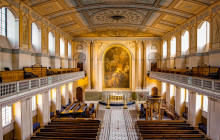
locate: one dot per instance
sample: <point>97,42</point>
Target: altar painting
<point>116,68</point>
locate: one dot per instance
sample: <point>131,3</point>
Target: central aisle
<point>118,128</point>
<point>117,124</point>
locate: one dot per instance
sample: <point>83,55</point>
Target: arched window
<point>69,50</point>
<point>173,47</point>
<point>203,33</point>
<point>6,115</point>
<point>3,22</point>
<point>164,49</point>
<point>35,38</point>
<point>51,44</point>
<point>185,43</point>
<point>7,19</point>
<point>62,48</point>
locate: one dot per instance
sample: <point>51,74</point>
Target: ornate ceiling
<point>134,17</point>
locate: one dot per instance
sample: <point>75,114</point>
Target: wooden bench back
<point>39,71</point>
<point>10,76</point>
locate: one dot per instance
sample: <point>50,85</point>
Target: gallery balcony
<point>19,90</point>
<point>206,86</point>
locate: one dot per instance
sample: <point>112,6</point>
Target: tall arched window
<point>173,47</point>
<point>203,33</point>
<point>35,38</point>
<point>51,44</point>
<point>3,22</point>
<point>185,43</point>
<point>205,103</point>
<point>164,49</point>
<point>69,50</point>
<point>62,48</point>
<point>7,19</point>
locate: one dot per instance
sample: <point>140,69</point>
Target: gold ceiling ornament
<point>116,33</point>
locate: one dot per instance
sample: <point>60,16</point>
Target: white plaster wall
<point>21,60</point>
<point>33,60</point>
<point>195,61</point>
<point>5,60</point>
<point>214,60</point>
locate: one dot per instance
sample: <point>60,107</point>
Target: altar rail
<point>18,87</point>
<point>200,85</point>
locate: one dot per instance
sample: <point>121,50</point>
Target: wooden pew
<point>69,129</point>
<point>173,129</point>
<point>10,76</point>
<point>38,71</point>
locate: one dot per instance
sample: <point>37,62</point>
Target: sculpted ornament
<point>25,29</point>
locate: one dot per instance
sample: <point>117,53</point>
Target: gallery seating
<point>69,129</point>
<point>32,72</point>
<point>206,72</point>
<point>173,130</point>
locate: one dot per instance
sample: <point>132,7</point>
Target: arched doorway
<point>79,59</point>
<point>79,94</point>
<point>154,59</point>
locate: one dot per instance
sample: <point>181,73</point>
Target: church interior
<point>109,69</point>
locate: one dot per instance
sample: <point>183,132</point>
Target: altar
<point>116,98</point>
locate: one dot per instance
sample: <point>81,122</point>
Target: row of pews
<point>32,72</point>
<point>206,72</point>
<point>69,129</point>
<point>169,129</point>
<point>78,110</point>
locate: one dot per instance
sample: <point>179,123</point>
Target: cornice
<point>117,39</point>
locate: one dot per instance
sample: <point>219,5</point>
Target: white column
<point>194,107</point>
<point>70,90</point>
<point>67,96</point>
<point>1,130</point>
<point>88,49</point>
<point>168,93</point>
<point>43,108</point>
<point>58,98</point>
<point>23,119</point>
<point>95,67</point>
<point>138,65</point>
<point>179,101</point>
<point>144,66</point>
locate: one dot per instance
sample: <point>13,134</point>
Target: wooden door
<point>153,66</point>
<point>80,66</point>
<point>79,93</point>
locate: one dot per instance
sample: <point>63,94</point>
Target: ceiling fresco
<point>118,17</point>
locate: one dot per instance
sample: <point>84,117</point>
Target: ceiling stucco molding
<point>117,39</point>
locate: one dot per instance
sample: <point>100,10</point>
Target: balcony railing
<point>209,87</point>
<point>11,88</point>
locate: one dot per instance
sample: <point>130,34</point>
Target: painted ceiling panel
<point>142,17</point>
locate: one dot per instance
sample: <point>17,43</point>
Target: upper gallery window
<point>35,37</point>
<point>62,48</point>
<point>185,43</point>
<point>203,33</point>
<point>69,50</point>
<point>173,47</point>
<point>164,49</point>
<point>3,22</point>
<point>51,44</point>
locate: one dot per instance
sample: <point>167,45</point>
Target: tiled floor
<point>113,125</point>
<point>118,128</point>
